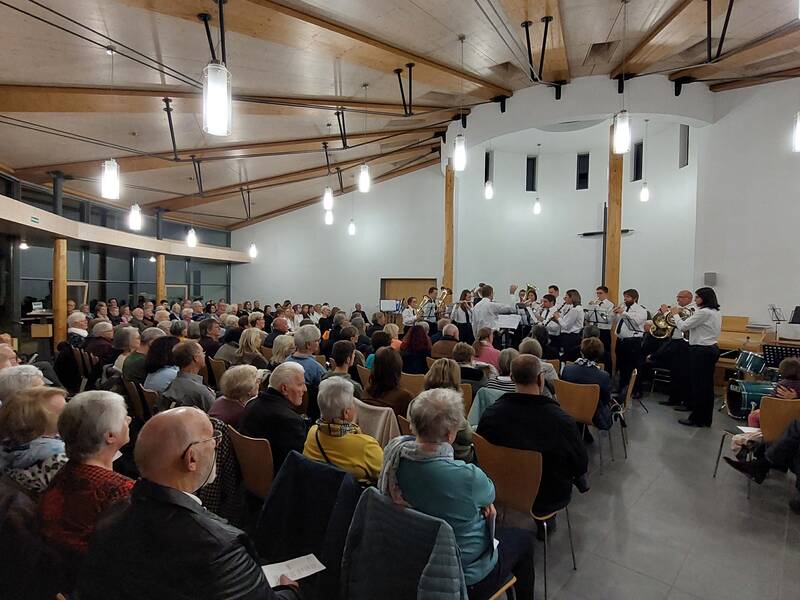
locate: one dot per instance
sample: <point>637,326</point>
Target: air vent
<point>404,124</point>
<point>600,53</point>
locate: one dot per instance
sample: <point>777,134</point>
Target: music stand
<point>597,318</point>
<point>776,315</point>
<point>775,353</point>
<point>795,319</point>
<point>630,324</point>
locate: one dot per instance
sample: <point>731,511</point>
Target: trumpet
<point>664,323</point>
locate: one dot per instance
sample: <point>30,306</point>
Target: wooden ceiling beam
<point>279,24</point>
<point>736,84</point>
<point>164,160</point>
<point>311,201</point>
<point>214,195</point>
<point>784,40</point>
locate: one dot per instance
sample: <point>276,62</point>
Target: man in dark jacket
<point>271,414</point>
<point>100,343</point>
<point>526,420</point>
<point>586,371</point>
<point>163,543</point>
<point>280,326</point>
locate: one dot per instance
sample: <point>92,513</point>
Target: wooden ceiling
<point>66,104</point>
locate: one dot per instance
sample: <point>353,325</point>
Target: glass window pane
<point>35,291</point>
<point>176,270</point>
<point>120,291</point>
<point>213,292</point>
<point>36,261</point>
<point>74,265</point>
<point>205,272</point>
<point>118,268</point>
<point>145,270</point>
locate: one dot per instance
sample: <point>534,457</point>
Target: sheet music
<point>295,569</point>
<point>508,321</point>
<point>389,305</point>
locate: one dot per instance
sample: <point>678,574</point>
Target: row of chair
<point>85,362</point>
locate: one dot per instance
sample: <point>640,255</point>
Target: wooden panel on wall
<point>400,288</point>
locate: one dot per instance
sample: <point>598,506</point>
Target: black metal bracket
<point>246,202</point>
<point>168,109</point>
<point>399,73</point>
<point>408,108</point>
<point>708,30</point>
<point>557,85</point>
<point>546,20</point>
<point>463,120</point>
<point>327,156</point>
<point>621,79</point>
<point>342,127</point>
<point>526,25</point>
<point>341,181</point>
<point>220,4</point>
<point>502,100</point>
<point>679,83</point>
<point>198,174</point>
<point>205,18</point>
<point>724,28</point>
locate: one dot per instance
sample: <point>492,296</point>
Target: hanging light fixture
<point>23,245</point>
<point>327,198</point>
<point>135,218</point>
<point>252,251</point>
<point>644,193</point>
<point>796,136</point>
<point>217,101</point>
<point>364,179</point>
<point>537,206</point>
<point>460,143</point>
<point>621,142</point>
<point>109,181</point>
<point>488,171</point>
<point>351,228</point>
<point>328,217</point>
<point>191,238</point>
<point>488,190</point>
<point>152,258</point>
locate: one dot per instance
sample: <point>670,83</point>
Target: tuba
<point>664,323</point>
<point>423,304</point>
<point>438,302</point>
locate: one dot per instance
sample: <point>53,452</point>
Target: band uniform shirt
<point>604,307</point>
<point>409,316</point>
<point>484,314</point>
<point>637,315</point>
<point>572,319</point>
<point>704,326</point>
<point>459,315</point>
<point>429,312</point>
<point>551,325</point>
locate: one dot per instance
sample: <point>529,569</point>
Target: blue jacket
<point>576,373</point>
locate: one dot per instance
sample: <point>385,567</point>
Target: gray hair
<point>152,333</point>
<point>358,323</point>
<point>187,312</point>
<point>425,326</point>
<point>504,361</point>
<point>75,317</point>
<point>450,330</point>
<point>230,320</point>
<point>530,346</point>
<point>164,326</point>
<point>177,328</point>
<point>306,335</point>
<point>193,330</point>
<point>102,327</point>
<point>123,337</point>
<point>239,382</point>
<point>162,314</point>
<point>335,396</point>
<point>339,318</point>
<point>283,374</point>
<point>436,413</point>
<point>86,421</point>
<point>21,377</point>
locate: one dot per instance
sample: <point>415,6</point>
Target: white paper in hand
<point>748,429</point>
<point>295,569</point>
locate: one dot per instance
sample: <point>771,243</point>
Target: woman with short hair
<point>282,348</point>
<point>394,331</point>
<point>421,472</point>
<point>239,385</point>
<point>485,351</point>
<point>126,340</point>
<point>249,350</point>
<point>94,426</point>
<point>179,329</point>
<point>160,363</point>
<point>446,374</point>
<point>502,381</point>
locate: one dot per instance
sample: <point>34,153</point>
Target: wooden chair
<point>218,368</point>
<point>580,402</point>
<point>364,375</point>
<point>430,361</point>
<point>516,475</point>
<point>405,426</point>
<point>556,364</point>
<point>303,408</point>
<point>503,592</point>
<point>135,399</point>
<point>204,374</point>
<point>255,461</point>
<point>414,384</point>
<point>466,392</point>
<point>77,356</point>
<point>267,352</point>
<point>151,398</point>
<point>601,366</point>
<point>320,358</point>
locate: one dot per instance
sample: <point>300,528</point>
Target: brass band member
<point>570,318</point>
<point>546,315</point>
<point>628,321</point>
<point>409,313</point>
<point>429,311</point>
<point>604,307</point>
<point>462,317</point>
<point>703,327</point>
<point>674,355</point>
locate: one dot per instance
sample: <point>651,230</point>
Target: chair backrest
<point>266,352</point>
<point>601,366</point>
<point>204,374</point>
<point>405,426</point>
<point>77,355</point>
<point>466,392</point>
<point>134,398</point>
<point>629,391</point>
<point>255,461</point>
<point>776,415</point>
<point>516,473</point>
<point>363,375</point>
<point>303,408</point>
<point>150,398</point>
<point>218,367</point>
<point>430,361</point>
<point>578,400</point>
<point>414,384</point>
<point>320,358</point>
<point>556,364</point>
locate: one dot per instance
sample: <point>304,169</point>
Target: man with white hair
<point>77,329</point>
<point>197,310</point>
<point>137,319</point>
<point>20,377</point>
<point>272,413</point>
<point>444,347</point>
<point>161,315</point>
<point>100,343</point>
<point>176,456</point>
<point>306,342</point>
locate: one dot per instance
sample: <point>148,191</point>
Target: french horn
<point>664,323</point>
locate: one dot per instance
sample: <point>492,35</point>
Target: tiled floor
<point>657,526</point>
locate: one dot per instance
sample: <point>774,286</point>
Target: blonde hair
<point>250,342</point>
<point>392,329</point>
<point>444,373</point>
<point>282,348</point>
<point>239,382</point>
<point>25,415</point>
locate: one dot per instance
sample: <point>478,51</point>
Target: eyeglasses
<point>216,437</point>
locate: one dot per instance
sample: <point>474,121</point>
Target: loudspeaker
<point>710,278</point>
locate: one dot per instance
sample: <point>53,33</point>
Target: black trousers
<point>674,355</point>
<point>570,345</point>
<point>515,555</point>
<point>784,453</point>
<point>605,337</point>
<point>629,356</point>
<point>702,360</point>
<point>433,328</point>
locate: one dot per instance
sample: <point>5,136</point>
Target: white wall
<point>400,226</point>
<point>747,213</point>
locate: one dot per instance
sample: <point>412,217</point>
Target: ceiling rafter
<point>736,84</point>
<point>275,22</point>
<point>310,201</point>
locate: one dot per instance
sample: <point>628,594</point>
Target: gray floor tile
<point>601,579</point>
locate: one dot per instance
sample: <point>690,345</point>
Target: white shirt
<point>409,316</point>
<point>459,315</point>
<point>604,307</point>
<point>429,312</point>
<point>637,315</point>
<point>677,334</point>
<point>545,317</point>
<point>703,326</point>
<point>315,317</point>
<point>484,314</point>
<point>571,319</point>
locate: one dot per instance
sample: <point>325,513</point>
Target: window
<point>582,179</point>
<point>638,160</point>
<point>683,151</point>
<point>530,174</point>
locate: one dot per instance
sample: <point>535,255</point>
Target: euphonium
<point>422,305</point>
<point>664,323</point>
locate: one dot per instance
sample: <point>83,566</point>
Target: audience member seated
<point>126,342</point>
<point>443,348</point>
<point>789,370</point>
<point>485,352</point>
<point>533,347</point>
<point>77,329</point>
<point>20,377</point>
<point>528,420</point>
<point>249,350</point>
<point>585,370</point>
<point>280,326</point>
<point>209,336</point>
<point>440,325</point>
<point>384,382</point>
<point>94,426</point>
<point>137,319</point>
<point>31,451</point>
<point>134,368</point>
<point>272,414</point>
<point>282,348</point>
<point>380,339</point>
<point>227,351</point>
<point>256,320</point>
<point>502,381</point>
<point>100,343</point>
<point>464,355</point>
<point>446,374</point>
<point>306,341</point>
<point>394,331</point>
<point>415,349</point>
<point>343,356</point>
<point>179,329</point>
<point>335,439</point>
<point>363,342</point>
<point>160,363</point>
<point>188,389</point>
<point>163,543</point>
<point>378,323</point>
<point>549,352</point>
<point>8,358</point>
<point>239,385</point>
<point>421,472</point>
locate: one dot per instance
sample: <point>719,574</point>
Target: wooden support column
<point>59,291</point>
<point>161,277</point>
<point>449,192</point>
<point>614,224</point>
